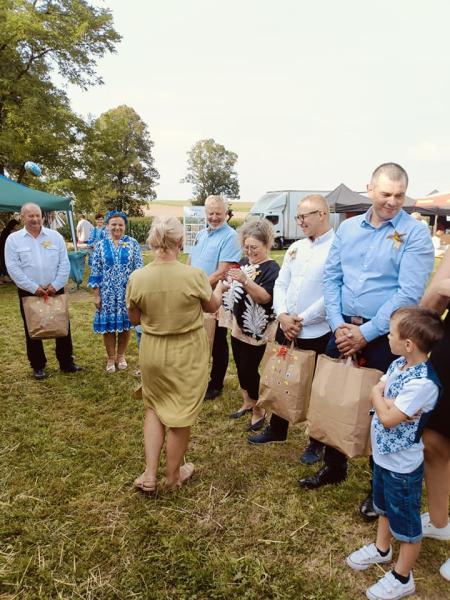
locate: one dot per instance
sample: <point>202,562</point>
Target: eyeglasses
<point>304,215</point>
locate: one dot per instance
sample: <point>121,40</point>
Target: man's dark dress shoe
<point>39,374</point>
<point>325,476</point>
<point>212,393</point>
<point>312,454</point>
<point>366,509</point>
<point>73,368</point>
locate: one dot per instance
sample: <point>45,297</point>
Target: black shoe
<point>212,393</point>
<point>73,368</point>
<point>325,476</point>
<point>39,374</point>
<point>257,425</point>
<point>312,454</point>
<point>366,509</point>
<point>240,413</point>
<point>266,437</point>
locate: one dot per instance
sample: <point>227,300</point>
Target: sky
<point>308,94</point>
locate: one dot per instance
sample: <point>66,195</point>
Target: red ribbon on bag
<point>282,351</point>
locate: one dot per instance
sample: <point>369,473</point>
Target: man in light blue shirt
<point>377,263</point>
<point>37,262</point>
<point>216,249</point>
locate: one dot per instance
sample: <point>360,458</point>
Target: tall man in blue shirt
<point>378,262</point>
<point>37,262</point>
<point>216,249</point>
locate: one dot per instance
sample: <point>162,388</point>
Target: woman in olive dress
<point>167,298</point>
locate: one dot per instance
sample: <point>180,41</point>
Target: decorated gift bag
<point>47,317</point>
<point>340,403</point>
<point>209,322</point>
<point>286,379</point>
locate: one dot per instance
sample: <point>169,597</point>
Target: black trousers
<point>378,355</point>
<point>278,425</point>
<point>247,359</point>
<point>220,357</point>
<point>35,348</point>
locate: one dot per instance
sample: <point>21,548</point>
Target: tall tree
<point>211,171</point>
<point>118,161</point>
<point>37,39</point>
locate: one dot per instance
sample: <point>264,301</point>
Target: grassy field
<point>72,526</point>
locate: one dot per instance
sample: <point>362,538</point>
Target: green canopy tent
<point>14,195</point>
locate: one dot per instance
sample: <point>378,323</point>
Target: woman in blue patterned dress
<point>114,259</point>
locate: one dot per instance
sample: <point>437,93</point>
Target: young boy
<point>402,401</point>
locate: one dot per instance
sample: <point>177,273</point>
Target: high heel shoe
<point>240,413</point>
<point>257,425</point>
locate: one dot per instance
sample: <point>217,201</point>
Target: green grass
<point>73,527</point>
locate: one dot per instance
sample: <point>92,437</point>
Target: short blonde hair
<point>260,229</point>
<point>166,233</point>
<point>217,200</point>
<point>318,200</point>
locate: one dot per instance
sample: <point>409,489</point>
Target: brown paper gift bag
<point>340,403</point>
<point>210,322</point>
<point>47,317</point>
<point>286,380</point>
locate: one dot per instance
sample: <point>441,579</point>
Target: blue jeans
<point>397,497</point>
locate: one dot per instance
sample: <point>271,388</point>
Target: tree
<point>37,39</point>
<point>118,161</point>
<point>211,171</point>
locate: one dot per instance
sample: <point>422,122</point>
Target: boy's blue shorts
<point>397,496</point>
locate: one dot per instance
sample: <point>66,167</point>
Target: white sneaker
<point>390,588</point>
<point>445,570</point>
<point>366,556</point>
<point>430,531</point>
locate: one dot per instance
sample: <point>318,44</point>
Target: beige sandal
<point>146,485</point>
<point>111,366</point>
<point>186,472</point>
<point>122,364</point>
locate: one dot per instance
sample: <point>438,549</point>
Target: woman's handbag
<point>286,379</point>
<point>46,316</point>
<point>340,403</point>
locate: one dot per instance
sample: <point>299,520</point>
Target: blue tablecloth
<point>77,263</point>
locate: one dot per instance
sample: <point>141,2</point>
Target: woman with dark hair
<point>9,228</point>
<point>114,259</point>
<point>436,436</point>
<point>247,311</point>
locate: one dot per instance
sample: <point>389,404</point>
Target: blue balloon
<point>33,168</point>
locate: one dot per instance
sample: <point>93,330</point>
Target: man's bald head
<point>31,215</point>
<point>30,206</point>
<point>393,171</point>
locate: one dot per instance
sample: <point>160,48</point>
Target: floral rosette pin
<point>292,253</point>
<point>397,238</point>
<point>46,244</point>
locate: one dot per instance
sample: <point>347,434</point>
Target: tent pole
<point>72,229</point>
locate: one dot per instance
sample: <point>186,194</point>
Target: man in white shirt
<point>37,262</point>
<point>84,230</point>
<point>299,305</point>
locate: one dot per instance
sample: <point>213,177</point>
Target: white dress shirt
<point>34,262</point>
<point>299,287</point>
<point>84,230</point>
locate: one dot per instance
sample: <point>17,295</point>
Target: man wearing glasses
<point>299,304</point>
<point>377,263</point>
